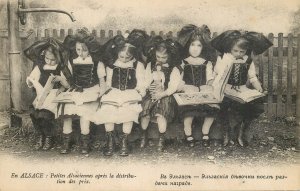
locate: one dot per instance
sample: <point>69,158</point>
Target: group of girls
<point>141,73</point>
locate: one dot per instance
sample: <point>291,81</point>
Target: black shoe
<point>109,149</point>
<point>144,139</point>
<point>190,141</point>
<point>66,144</point>
<point>39,142</point>
<point>48,143</point>
<point>124,145</point>
<point>85,144</point>
<point>161,142</point>
<point>205,142</point>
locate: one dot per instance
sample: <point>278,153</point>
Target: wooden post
<point>110,34</point>
<point>62,34</point>
<point>298,85</point>
<point>289,77</point>
<point>152,33</point>
<point>279,104</point>
<point>270,79</point>
<point>14,52</point>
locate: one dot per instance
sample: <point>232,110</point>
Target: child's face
<point>195,48</point>
<point>124,56</point>
<point>162,57</point>
<point>50,58</point>
<point>82,50</point>
<point>238,52</point>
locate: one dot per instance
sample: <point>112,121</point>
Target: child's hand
<point>29,82</point>
<point>158,95</point>
<point>227,57</point>
<point>154,87</point>
<point>141,92</point>
<point>190,89</point>
<point>206,88</point>
<point>257,86</point>
<point>61,89</point>
<point>210,82</point>
<point>56,79</point>
<point>260,90</point>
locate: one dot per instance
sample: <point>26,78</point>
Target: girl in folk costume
<point>50,67</point>
<point>162,79</point>
<point>236,47</point>
<point>124,80</point>
<point>197,74</point>
<point>88,83</point>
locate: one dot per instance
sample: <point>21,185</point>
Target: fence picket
<point>270,79</point>
<point>280,106</point>
<point>289,76</point>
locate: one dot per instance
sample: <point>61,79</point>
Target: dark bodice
<point>84,76</point>
<point>124,78</point>
<point>194,74</point>
<point>239,73</point>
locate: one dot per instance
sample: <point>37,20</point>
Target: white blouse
<point>174,83</point>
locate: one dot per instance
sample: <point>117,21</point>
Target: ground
<point>273,142</point>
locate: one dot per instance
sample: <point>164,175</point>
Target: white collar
<point>49,67</point>
<point>128,64</point>
<point>80,60</point>
<point>240,61</point>
<point>195,60</point>
<point>164,65</point>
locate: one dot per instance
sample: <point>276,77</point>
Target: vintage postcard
<point>149,95</point>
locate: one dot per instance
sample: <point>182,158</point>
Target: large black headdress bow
<point>112,47</point>
<point>174,49</point>
<point>138,38</point>
<point>258,42</point>
<point>150,46</point>
<point>190,31</point>
<point>83,36</point>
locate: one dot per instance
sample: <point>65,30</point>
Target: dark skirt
<point>235,112</point>
<point>164,107</point>
<point>43,121</point>
<point>42,114</point>
<point>198,111</point>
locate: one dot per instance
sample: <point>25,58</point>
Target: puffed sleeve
<point>209,72</point>
<point>34,75</point>
<point>218,67</point>
<point>175,81</point>
<point>182,82</point>
<point>252,73</point>
<point>140,76</point>
<point>109,74</point>
<point>101,70</point>
<point>148,76</point>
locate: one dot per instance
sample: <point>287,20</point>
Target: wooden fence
<point>277,67</point>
